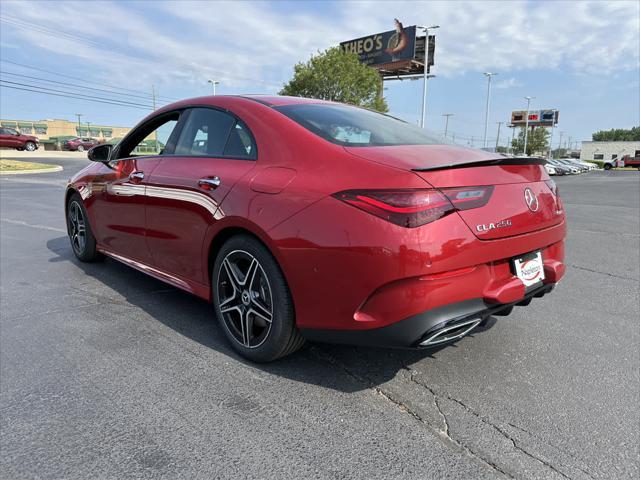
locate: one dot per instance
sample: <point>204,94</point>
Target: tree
<point>617,134</point>
<point>537,141</point>
<point>339,76</point>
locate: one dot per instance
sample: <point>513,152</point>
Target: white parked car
<point>550,170</point>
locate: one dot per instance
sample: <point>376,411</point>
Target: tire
<point>607,166</point>
<point>30,147</point>
<point>248,288</point>
<point>83,242</point>
<point>80,148</point>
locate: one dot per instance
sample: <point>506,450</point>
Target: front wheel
<point>252,301</point>
<point>30,146</point>
<point>81,236</point>
<point>80,148</point>
<point>607,166</point>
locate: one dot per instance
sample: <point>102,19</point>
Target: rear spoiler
<point>486,163</point>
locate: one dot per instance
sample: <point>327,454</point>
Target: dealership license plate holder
<point>529,268</point>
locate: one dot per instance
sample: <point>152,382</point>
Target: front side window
<point>211,133</point>
<point>150,139</point>
<point>357,127</point>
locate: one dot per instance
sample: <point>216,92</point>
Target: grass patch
<point>7,165</point>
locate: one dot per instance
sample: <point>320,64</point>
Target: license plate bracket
<point>529,268</point>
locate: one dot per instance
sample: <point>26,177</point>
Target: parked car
<point>550,170</point>
<point>306,219</point>
<point>574,169</point>
<point>561,168</point>
<point>80,144</point>
<point>625,161</point>
<point>575,163</point>
<point>10,138</point>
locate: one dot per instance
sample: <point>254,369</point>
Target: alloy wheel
<point>245,298</point>
<point>30,147</point>
<point>77,228</point>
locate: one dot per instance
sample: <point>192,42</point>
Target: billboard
<point>537,118</point>
<point>383,48</point>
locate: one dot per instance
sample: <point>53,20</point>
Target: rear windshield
<point>357,127</point>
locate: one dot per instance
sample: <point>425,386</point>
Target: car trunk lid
<point>521,201</point>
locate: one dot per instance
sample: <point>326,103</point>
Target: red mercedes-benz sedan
<point>306,219</point>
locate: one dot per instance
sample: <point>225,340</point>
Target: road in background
<point>107,373</point>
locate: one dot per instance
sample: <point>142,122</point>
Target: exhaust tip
<point>450,333</point>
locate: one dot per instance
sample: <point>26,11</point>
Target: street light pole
<point>213,85</point>
<point>426,75</point>
<point>486,112</point>
<point>526,125</point>
<point>446,122</point>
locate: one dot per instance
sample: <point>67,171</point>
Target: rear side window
<point>357,127</point>
<point>211,133</point>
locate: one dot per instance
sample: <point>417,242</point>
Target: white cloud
<point>508,83</point>
<point>254,45</point>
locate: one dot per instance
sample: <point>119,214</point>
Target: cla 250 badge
<point>485,227</point>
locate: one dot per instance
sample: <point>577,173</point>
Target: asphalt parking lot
<point>107,373</point>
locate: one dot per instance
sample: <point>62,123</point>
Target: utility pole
<point>79,124</point>
<point>513,134</point>
<point>453,138</point>
<point>213,84</point>
<point>155,133</point>
<point>569,144</point>
<point>498,137</point>
<point>526,127</point>
<point>446,122</point>
<point>426,75</point>
<point>560,143</point>
<point>88,129</point>
<point>486,111</point>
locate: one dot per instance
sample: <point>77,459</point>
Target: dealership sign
<point>537,118</point>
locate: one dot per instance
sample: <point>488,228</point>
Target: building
<point>47,129</point>
<point>608,150</point>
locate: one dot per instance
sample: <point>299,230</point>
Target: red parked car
<point>10,138</point>
<point>304,219</point>
<point>80,144</point>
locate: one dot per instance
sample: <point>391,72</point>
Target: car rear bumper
<point>430,329</point>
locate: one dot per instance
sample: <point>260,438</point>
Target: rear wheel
<point>81,236</point>
<point>607,166</point>
<point>80,148</point>
<point>252,301</point>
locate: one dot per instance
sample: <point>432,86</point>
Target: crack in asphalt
<point>444,432</point>
<point>603,273</point>
<point>388,396</point>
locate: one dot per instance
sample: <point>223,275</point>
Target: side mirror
<point>100,153</point>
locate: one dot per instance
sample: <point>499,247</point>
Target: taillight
<point>554,189</point>
<point>413,208</point>
<point>552,186</point>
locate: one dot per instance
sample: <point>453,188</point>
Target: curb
<point>54,168</point>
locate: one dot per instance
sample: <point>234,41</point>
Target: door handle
<point>210,183</point>
<point>136,177</point>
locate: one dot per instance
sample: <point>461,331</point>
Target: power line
<point>81,79</point>
<point>147,97</point>
<point>73,96</point>
<point>76,93</point>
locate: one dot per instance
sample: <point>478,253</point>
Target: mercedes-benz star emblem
<point>530,198</point>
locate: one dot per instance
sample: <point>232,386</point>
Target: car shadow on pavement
<point>338,367</point>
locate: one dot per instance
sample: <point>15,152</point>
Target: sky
<point>580,57</point>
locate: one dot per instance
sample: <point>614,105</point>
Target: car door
<point>120,188</point>
<point>213,151</point>
<point>9,138</point>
